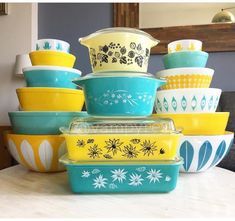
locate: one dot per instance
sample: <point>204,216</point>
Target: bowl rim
<point>51,52</point>
<point>44,113</point>
<point>52,39</point>
<point>184,40</point>
<point>48,90</point>
<point>189,91</point>
<point>52,68</point>
<point>193,114</point>
<point>185,71</point>
<point>201,136</point>
<point>188,53</point>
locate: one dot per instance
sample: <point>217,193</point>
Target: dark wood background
<point>215,37</point>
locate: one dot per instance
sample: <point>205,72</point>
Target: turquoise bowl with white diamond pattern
<point>120,177</point>
<point>187,100</point>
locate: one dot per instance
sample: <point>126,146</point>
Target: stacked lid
<point>49,101</point>
<point>187,99</point>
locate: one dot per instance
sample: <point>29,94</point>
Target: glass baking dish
<point>121,139</point>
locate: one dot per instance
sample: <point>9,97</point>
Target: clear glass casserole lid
<point>119,30</point>
<point>148,125</point>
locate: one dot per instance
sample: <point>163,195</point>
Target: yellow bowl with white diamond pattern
<point>184,45</point>
<point>39,153</point>
<point>188,77</point>
<point>122,147</point>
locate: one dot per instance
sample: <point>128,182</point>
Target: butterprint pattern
<point>113,53</point>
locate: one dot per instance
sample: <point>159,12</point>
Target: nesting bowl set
<point>187,99</point>
<point>49,101</point>
<point>119,147</point>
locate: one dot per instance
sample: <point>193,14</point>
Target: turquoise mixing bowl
<point>41,123</point>
<point>185,59</point>
<point>51,76</point>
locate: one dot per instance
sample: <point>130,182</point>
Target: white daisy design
<point>112,186</point>
<point>168,179</point>
<point>100,182</point>
<point>119,175</point>
<point>85,174</point>
<point>135,179</point>
<point>154,175</point>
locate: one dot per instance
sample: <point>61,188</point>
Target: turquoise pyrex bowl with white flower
<point>122,177</point>
<point>119,94</point>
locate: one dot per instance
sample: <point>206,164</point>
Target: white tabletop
<point>30,194</point>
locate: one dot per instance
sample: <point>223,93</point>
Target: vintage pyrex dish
<point>39,153</point>
<point>199,123</point>
<point>203,152</point>
<point>184,45</point>
<point>185,59</point>
<point>43,122</point>
<point>122,177</point>
<point>187,100</point>
<point>119,49</point>
<point>186,77</point>
<point>50,99</point>
<point>51,76</point>
<point>114,94</point>
<point>52,44</point>
<point>121,139</point>
<point>52,58</point>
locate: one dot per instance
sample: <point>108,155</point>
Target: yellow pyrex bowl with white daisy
<point>119,49</point>
<point>121,139</point>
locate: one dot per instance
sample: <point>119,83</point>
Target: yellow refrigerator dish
<point>121,139</point>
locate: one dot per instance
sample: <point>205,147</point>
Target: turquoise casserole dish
<point>122,177</point>
<point>119,94</point>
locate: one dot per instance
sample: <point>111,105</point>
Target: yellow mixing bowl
<point>199,123</point>
<point>52,58</point>
<point>123,147</point>
<point>187,77</point>
<point>187,81</point>
<point>37,152</point>
<point>50,99</point>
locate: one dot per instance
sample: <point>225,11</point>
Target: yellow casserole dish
<point>199,123</point>
<point>50,99</point>
<point>52,58</point>
<point>121,139</point>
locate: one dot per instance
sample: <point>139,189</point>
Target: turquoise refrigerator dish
<point>119,94</point>
<point>185,59</point>
<point>41,123</point>
<point>51,76</point>
<point>120,177</point>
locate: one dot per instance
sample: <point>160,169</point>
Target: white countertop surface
<point>37,195</point>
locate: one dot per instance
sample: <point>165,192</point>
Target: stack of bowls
<point>120,148</point>
<point>49,101</point>
<point>188,100</point>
